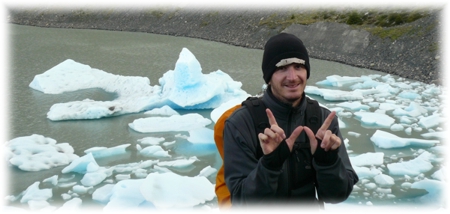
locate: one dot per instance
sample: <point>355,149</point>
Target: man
<point>285,174</point>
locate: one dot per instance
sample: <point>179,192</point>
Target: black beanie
<point>279,47</point>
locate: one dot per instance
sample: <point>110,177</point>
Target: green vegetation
<point>382,23</point>
<point>393,33</point>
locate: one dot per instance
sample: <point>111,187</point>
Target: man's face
<point>288,83</point>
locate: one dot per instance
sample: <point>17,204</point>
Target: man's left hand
<point>329,140</point>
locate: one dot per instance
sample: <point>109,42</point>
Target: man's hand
<point>273,136</point>
<point>329,140</point>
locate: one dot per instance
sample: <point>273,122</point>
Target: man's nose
<point>291,73</point>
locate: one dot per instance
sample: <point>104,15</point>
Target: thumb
<point>312,139</point>
<point>291,140</point>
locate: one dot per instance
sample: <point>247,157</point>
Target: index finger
<point>272,120</point>
<point>327,121</point>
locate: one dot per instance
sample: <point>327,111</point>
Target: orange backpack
<point>223,195</point>
<point>258,112</point>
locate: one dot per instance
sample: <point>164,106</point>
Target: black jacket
<point>250,183</point>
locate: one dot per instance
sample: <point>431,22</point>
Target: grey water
<point>34,50</point>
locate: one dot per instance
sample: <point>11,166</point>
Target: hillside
<point>405,43</point>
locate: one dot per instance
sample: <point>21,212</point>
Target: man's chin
<point>293,99</point>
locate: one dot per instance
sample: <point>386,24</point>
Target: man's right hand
<point>273,136</point>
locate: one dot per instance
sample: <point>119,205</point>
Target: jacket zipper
<point>289,166</point>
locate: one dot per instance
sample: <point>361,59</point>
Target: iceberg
<point>185,122</point>
<point>178,89</point>
<point>387,140</point>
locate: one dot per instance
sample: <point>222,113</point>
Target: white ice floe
<point>81,164</point>
<point>368,159</point>
<point>36,153</point>
<point>185,122</point>
<point>338,81</point>
<point>366,172</point>
<point>179,88</point>
<point>201,135</point>
<point>178,164</point>
<point>217,112</point>
<point>387,140</point>
<point>336,95</point>
<point>154,152</point>
<point>354,106</point>
<point>384,180</point>
<point>163,111</point>
<point>413,167</point>
<point>146,141</point>
<point>33,193</point>
<point>169,190</point>
<point>101,152</point>
<point>71,205</point>
<point>374,119</point>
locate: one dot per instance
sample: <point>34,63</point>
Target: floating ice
<point>36,152</point>
<point>164,111</point>
<point>52,180</point>
<point>374,119</point>
<point>108,152</point>
<point>217,112</point>
<point>183,85</point>
<point>169,190</point>
<point>86,109</point>
<point>409,95</point>
<point>354,134</point>
<point>178,164</point>
<point>132,167</point>
<point>34,193</point>
<point>368,159</point>
<point>338,81</point>
<point>173,123</point>
<point>154,152</point>
<point>434,188</point>
<point>94,177</point>
<point>71,205</point>
<point>353,106</point>
<point>125,195</point>
<point>201,135</point>
<point>179,88</point>
<point>397,127</point>
<point>413,110</point>
<point>384,180</point>
<point>80,190</point>
<point>413,167</point>
<point>337,95</point>
<point>207,171</point>
<point>151,141</point>
<point>430,121</point>
<point>81,164</point>
<point>439,135</point>
<point>103,194</point>
<point>366,172</point>
<point>387,140</point>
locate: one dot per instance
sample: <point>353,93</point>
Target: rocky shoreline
<point>413,55</point>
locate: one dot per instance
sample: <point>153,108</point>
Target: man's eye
<point>282,68</point>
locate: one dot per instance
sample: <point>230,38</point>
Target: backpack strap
<point>313,115</point>
<point>258,112</point>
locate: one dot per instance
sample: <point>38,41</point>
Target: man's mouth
<point>292,85</point>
